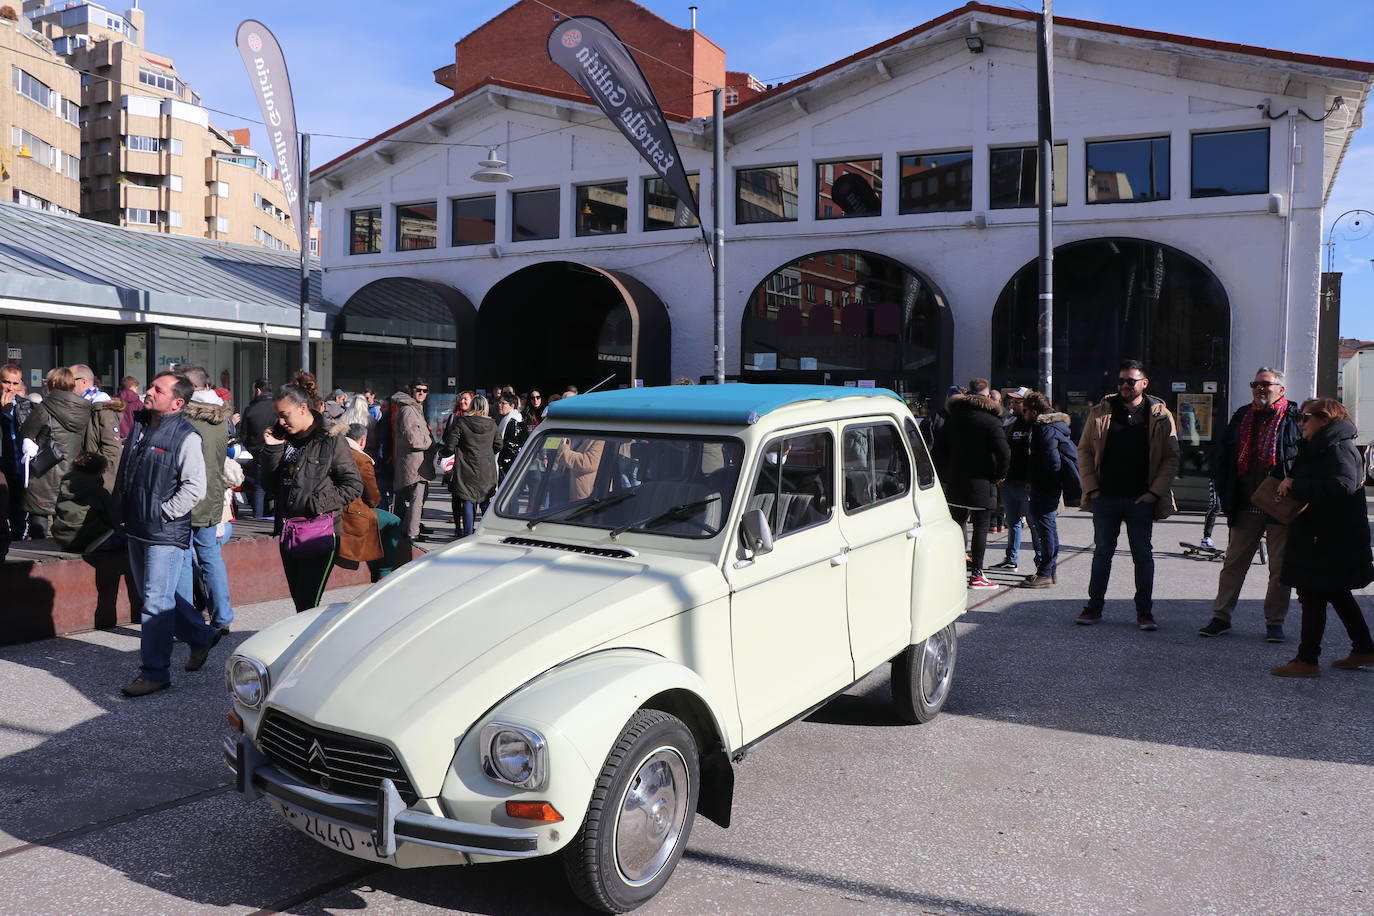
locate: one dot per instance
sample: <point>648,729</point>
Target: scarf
<point>1260,441</point>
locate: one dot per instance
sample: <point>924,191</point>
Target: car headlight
<point>514,755</point>
<point>248,681</point>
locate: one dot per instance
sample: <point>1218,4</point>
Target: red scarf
<point>1260,442</point>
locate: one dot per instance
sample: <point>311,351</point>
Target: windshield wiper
<point>577,510</point>
<point>679,513</point>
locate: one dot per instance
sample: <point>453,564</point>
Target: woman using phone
<point>307,465</point>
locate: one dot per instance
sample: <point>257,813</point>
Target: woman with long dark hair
<point>1328,553</point>
<point>307,465</point>
<point>534,408</point>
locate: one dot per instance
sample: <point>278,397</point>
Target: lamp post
<point>1362,224</point>
<point>10,153</point>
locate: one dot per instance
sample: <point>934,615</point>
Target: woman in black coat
<point>971,454</point>
<point>1328,551</point>
<point>473,441</point>
<point>1052,473</point>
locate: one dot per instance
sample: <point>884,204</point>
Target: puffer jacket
<point>1328,544</point>
<point>971,452</point>
<point>323,479</point>
<point>1163,452</point>
<point>360,538</point>
<point>1053,466</point>
<point>64,418</point>
<point>104,437</point>
<point>210,423</point>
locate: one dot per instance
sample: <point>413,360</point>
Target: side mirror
<point>758,537</point>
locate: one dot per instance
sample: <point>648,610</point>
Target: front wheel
<point>639,817</point>
<point>922,675</point>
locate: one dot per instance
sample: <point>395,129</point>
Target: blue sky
<point>360,67</point>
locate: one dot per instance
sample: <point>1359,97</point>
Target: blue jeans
<point>1044,526</point>
<point>1108,514</point>
<point>156,569</point>
<point>257,496</point>
<point>203,561</point>
<point>467,520</point>
<point>1016,505</point>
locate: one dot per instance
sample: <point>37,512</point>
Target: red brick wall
<point>513,47</point>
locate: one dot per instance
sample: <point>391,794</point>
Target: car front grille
<point>334,762</point>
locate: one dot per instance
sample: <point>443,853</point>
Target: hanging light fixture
<point>492,170</point>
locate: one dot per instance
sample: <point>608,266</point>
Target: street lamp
<point>1362,225</point>
<point>10,153</point>
<point>492,170</point>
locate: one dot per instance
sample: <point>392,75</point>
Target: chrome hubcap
<point>651,816</point>
<point>936,667</point>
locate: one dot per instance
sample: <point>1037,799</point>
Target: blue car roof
<point>735,404</point>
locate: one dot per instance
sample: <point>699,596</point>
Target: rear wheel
<point>922,676</point>
<point>639,817</point>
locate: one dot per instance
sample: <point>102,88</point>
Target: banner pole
<point>305,251</point>
<point>718,227</point>
<point>1044,59</point>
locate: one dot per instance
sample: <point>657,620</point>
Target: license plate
<point>347,840</point>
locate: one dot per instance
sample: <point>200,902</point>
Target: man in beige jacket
<point>410,441</point>
<point>1128,456</point>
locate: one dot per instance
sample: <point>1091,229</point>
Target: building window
<point>662,209</point>
<point>1231,162</point>
<point>174,182</point>
<point>1128,170</point>
<point>936,182</point>
<point>176,146</point>
<point>365,234</point>
<point>602,209</point>
<point>1014,177</point>
<point>850,188</point>
<point>731,96</point>
<point>42,151</point>
<point>534,215</point>
<point>219,188</point>
<point>138,216</point>
<point>416,226</point>
<point>268,240</point>
<point>158,80</point>
<point>73,168</point>
<point>767,195</point>
<point>32,88</point>
<point>72,112</point>
<point>174,219</point>
<point>474,220</point>
<point>221,224</point>
<point>139,144</point>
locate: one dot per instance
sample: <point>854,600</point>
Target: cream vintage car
<point>666,577</point>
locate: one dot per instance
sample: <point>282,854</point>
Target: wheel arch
<point>716,797</point>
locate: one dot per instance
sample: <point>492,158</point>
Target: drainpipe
<point>1287,268</point>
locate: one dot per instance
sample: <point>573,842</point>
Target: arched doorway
<point>397,328</point>
<point>1117,299</point>
<point>563,323</point>
<point>846,316</point>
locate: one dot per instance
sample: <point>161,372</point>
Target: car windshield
<point>680,486</point>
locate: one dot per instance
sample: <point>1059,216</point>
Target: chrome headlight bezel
<point>536,749</point>
<point>256,672</point>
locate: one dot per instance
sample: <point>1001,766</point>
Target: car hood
<point>422,655</point>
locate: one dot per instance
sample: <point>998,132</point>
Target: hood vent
<point>617,553</point>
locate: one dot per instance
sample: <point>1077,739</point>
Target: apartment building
<point>40,118</point>
<point>152,158</point>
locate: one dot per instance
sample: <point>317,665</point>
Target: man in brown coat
<point>410,441</point>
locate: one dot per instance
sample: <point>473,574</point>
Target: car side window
<point>876,468</point>
<point>794,487</point>
<point>925,468</point>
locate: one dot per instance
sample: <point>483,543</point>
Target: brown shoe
<point>1037,581</point>
<point>1297,668</point>
<point>1355,660</point>
<point>141,687</point>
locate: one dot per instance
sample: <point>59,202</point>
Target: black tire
<point>923,675</point>
<point>655,747</point>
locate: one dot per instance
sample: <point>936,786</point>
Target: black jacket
<point>971,452</point>
<point>258,416</point>
<point>148,478</point>
<point>1054,458</point>
<point>324,477</point>
<point>64,419</point>
<point>473,441</point>
<point>1224,474</point>
<point>1328,545</point>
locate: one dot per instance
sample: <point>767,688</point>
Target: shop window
<point>416,226</point>
<point>766,195</point>
<point>663,210</point>
<point>534,215</point>
<point>1128,170</point>
<point>474,220</point>
<point>936,182</point>
<point>602,209</point>
<point>365,232</point>
<point>1014,177</point>
<point>1231,162</point>
<point>849,189</point>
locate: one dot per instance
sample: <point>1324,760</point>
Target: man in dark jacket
<point>161,479</point>
<point>971,454</point>
<point>1015,491</point>
<point>258,416</point>
<point>1052,472</point>
<point>14,410</point>
<point>1262,435</point>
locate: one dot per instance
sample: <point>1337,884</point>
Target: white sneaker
<point>1208,544</point>
<point>981,582</point>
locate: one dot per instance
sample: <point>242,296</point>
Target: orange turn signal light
<point>235,721</point>
<point>534,811</point>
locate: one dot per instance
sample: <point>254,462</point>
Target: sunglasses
<point>1132,382</point>
<point>1310,416</point>
<point>421,391</point>
<point>1264,384</point>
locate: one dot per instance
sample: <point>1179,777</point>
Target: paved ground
<point>1075,771</point>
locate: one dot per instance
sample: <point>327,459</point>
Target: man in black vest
<point>161,479</point>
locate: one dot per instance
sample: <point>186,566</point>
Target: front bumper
<point>388,819</point>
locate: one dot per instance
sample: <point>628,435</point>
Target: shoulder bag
<point>1282,509</point>
<point>306,537</point>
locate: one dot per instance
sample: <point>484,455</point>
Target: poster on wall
<point>136,356</point>
<point>1195,418</point>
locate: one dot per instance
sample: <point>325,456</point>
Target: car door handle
<point>913,532</point>
<point>840,559</point>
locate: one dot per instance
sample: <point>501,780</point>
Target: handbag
<point>307,537</point>
<point>427,469</point>
<point>48,457</point>
<point>1283,509</point>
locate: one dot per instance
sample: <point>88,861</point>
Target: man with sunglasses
<point>1262,435</point>
<point>1128,455</point>
<point>410,440</point>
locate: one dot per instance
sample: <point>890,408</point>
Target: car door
<point>787,608</point>
<point>878,520</point>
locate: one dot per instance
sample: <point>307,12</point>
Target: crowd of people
<point>1287,474</point>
